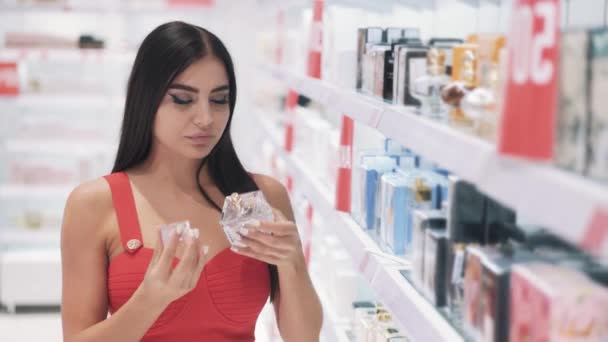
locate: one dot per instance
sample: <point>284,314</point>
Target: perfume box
<point>598,135</point>
<point>553,303</point>
<point>370,173</point>
<point>423,220</point>
<point>409,65</point>
<point>383,60</point>
<point>487,290</point>
<point>573,115</point>
<point>392,230</point>
<point>364,36</point>
<point>435,259</point>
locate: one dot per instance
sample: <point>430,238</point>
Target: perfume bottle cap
<point>422,191</point>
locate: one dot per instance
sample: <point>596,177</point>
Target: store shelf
<point>35,191</point>
<point>63,100</point>
<point>409,308</point>
<point>68,55</point>
<point>565,203</point>
<point>109,7</point>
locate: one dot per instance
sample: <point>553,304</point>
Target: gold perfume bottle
<point>427,88</point>
<point>464,80</point>
<point>482,104</point>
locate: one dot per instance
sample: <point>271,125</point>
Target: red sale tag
<point>316,40</point>
<point>9,79</point>
<point>530,98</point>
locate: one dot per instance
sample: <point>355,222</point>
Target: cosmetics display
<point>428,88</point>
<point>573,115</point>
<point>370,172</point>
<point>409,65</point>
<point>377,55</point>
<point>464,80</point>
<point>482,105</point>
<point>446,45</point>
<point>373,323</point>
<point>598,134</point>
<point>553,303</point>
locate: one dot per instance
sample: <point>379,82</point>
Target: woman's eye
<point>180,100</point>
<point>220,100</point>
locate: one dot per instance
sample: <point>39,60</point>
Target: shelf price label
<point>530,97</point>
<point>9,79</point>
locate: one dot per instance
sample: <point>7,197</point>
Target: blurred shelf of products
<point>446,160</point>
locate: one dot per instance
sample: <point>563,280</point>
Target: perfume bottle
<point>482,104</point>
<point>464,80</point>
<point>428,88</point>
<point>240,209</point>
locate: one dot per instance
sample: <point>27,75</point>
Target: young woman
<point>176,162</point>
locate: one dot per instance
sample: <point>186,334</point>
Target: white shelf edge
<point>390,287</point>
<point>36,191</point>
<point>560,201</point>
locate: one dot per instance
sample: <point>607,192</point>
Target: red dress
<point>225,303</point>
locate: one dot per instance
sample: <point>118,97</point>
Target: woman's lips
<point>200,139</point>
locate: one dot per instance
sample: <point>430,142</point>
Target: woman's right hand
<point>162,282</point>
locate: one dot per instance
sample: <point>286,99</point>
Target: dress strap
<point>126,211</point>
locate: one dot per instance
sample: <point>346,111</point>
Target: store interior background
<point>85,89</point>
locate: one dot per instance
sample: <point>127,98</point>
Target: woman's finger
<point>274,228</point>
<point>189,260</point>
<point>279,242</point>
<point>262,249</point>
<point>246,251</point>
<point>202,260</point>
<point>158,248</point>
<point>168,254</point>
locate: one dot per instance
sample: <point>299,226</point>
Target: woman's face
<point>195,110</point>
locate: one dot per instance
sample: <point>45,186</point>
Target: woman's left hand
<point>277,243</point>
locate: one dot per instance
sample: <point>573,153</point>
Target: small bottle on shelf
<point>428,88</point>
<point>464,80</point>
<point>482,105</point>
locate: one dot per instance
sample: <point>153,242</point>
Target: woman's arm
<point>297,306</point>
<point>84,268</point>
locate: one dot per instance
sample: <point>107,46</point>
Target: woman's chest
<point>232,288</point>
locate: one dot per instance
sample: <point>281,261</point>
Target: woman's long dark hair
<point>165,53</point>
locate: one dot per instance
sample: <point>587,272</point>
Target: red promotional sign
<point>9,79</point>
<point>530,100</point>
<point>316,40</point>
<point>343,186</point>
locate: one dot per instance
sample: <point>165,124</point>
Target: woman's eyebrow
<point>183,87</point>
<point>224,87</point>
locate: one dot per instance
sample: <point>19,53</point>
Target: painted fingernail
<point>234,249</point>
<point>188,238</point>
<point>244,231</point>
<point>205,249</point>
<point>240,244</point>
<point>196,233</point>
<point>179,229</point>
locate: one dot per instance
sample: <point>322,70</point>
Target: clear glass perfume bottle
<point>240,209</point>
<point>427,88</point>
<point>463,83</point>
<point>482,104</point>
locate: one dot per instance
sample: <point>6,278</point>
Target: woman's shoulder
<point>270,186</point>
<point>93,193</point>
<point>90,201</point>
